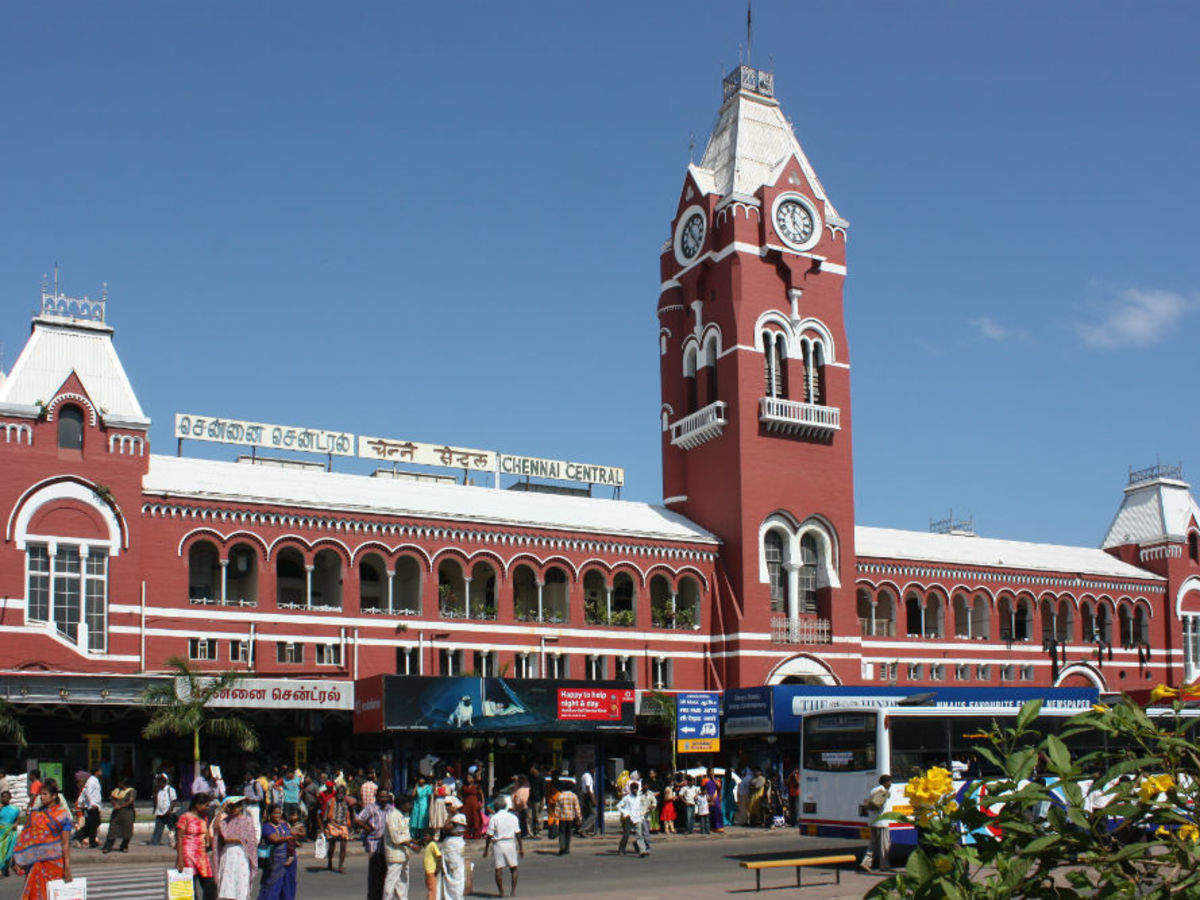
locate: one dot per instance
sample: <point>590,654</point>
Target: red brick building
<point>751,570</point>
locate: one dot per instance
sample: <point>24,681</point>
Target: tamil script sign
<point>561,470</point>
<point>698,722</point>
<point>278,693</point>
<point>261,434</point>
<point>390,450</point>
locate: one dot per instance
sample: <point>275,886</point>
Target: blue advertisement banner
<point>698,722</point>
<point>748,711</point>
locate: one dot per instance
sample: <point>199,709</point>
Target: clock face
<point>691,239</point>
<point>794,222</point>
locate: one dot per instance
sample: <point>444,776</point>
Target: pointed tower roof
<point>1158,507</point>
<point>70,335</point>
<point>752,141</point>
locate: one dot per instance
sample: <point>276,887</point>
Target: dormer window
<point>70,428</point>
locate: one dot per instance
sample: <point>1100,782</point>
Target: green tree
<point>661,709</point>
<point>186,711</point>
<point>10,725</point>
<point>1113,822</point>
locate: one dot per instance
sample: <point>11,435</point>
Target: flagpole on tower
<point>748,33</point>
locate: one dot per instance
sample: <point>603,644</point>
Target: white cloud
<point>1138,317</point>
<point>995,331</point>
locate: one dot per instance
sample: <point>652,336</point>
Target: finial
<point>692,147</point>
<point>104,290</point>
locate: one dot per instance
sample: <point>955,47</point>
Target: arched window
<point>981,613</point>
<point>327,580</point>
<point>372,583</point>
<point>809,560</point>
<point>204,572</point>
<point>1125,626</point>
<point>1141,626</point>
<point>774,364</point>
<point>242,587</point>
<point>291,579</point>
<point>406,586</point>
<point>710,368</point>
<point>556,596</point>
<point>623,611</point>
<point>885,615</point>
<point>913,616</point>
<point>525,594</point>
<point>962,616</point>
<point>1103,624</point>
<point>864,606</point>
<point>481,593</point>
<point>814,372</point>
<point>452,590</point>
<point>776,576</point>
<point>1087,622</point>
<point>1064,625</point>
<point>595,598</point>
<point>1193,547</point>
<point>70,427</point>
<point>690,402</point>
<point>935,616</point>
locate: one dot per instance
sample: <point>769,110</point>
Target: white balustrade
<point>793,417</point>
<point>702,425</point>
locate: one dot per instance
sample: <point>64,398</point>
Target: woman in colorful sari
<point>235,846</point>
<point>472,808</point>
<point>336,823</point>
<point>420,810</point>
<point>44,847</point>
<point>9,813</point>
<point>191,847</point>
<point>712,790</point>
<point>279,873</point>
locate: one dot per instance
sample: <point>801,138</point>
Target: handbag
<point>321,847</point>
<point>180,885</point>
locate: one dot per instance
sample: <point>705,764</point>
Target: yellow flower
<point>1162,692</point>
<point>1189,833</point>
<point>1161,832</point>
<point>951,807</point>
<point>1100,708</point>
<point>1153,786</point>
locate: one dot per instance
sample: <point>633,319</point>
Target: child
<point>702,813</point>
<point>299,832</point>
<point>431,856</point>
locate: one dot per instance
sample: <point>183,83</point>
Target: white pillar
<point>793,591</point>
<point>872,618</point>
<point>922,620</point>
<point>224,580</point>
<point>391,577</point>
<point>467,596</point>
<point>674,606</point>
<point>308,570</point>
<point>607,604</point>
<point>540,585</point>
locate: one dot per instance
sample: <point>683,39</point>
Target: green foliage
<point>11,728</point>
<point>1118,822</point>
<point>185,712</point>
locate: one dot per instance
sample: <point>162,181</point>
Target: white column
<point>540,585</point>
<point>467,596</point>
<point>608,604</point>
<point>224,580</point>
<point>793,591</point>
<point>674,606</point>
<point>391,577</point>
<point>872,618</point>
<point>308,570</point>
<point>922,619</point>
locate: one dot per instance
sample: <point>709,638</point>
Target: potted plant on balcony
<point>623,617</point>
<point>448,603</point>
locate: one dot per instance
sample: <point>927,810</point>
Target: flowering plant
<point>1103,804</point>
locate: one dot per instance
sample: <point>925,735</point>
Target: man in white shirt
<point>396,840</point>
<point>164,811</point>
<point>632,815</point>
<point>587,796</point>
<point>875,807</point>
<point>89,801</point>
<point>504,837</point>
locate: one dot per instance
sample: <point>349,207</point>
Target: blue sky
<point>441,222</point>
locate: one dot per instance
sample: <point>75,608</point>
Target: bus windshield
<point>840,742</point>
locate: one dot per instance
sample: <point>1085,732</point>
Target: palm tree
<point>185,711</point>
<point>10,725</point>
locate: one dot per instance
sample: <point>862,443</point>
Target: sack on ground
<point>321,847</point>
<point>63,890</point>
<point>180,885</point>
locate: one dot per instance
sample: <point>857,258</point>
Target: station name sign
<point>393,450</point>
<point>261,434</point>
<point>561,470</point>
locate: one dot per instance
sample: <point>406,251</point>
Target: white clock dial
<point>691,239</point>
<point>794,222</point>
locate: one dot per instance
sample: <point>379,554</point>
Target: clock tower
<point>755,378</point>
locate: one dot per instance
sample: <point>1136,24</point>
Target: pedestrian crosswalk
<point>118,882</point>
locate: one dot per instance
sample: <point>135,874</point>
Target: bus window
<point>918,743</point>
<point>840,742</point>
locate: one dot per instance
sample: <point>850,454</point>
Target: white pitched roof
<point>1153,512</point>
<point>748,148</point>
<point>58,347</point>
<point>240,482</point>
<point>891,543</point>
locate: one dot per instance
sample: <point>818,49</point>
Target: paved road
<point>695,868</point>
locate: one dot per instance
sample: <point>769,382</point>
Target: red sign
<point>592,704</point>
<point>368,705</point>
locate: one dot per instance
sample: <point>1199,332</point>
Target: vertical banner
<point>698,722</point>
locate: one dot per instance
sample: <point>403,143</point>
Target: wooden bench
<point>799,863</point>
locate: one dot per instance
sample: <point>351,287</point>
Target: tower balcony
<point>801,419</point>
<point>702,425</point>
<point>800,631</point>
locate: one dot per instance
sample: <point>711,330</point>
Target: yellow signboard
<point>698,745</point>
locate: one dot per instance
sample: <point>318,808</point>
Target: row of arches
<point>930,613</point>
<point>464,588</point>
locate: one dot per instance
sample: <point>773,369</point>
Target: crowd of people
<point>246,840</point>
